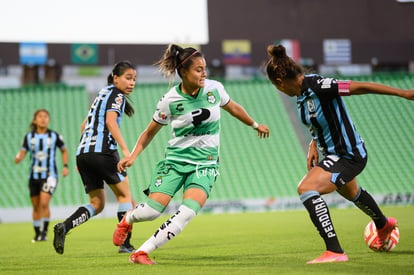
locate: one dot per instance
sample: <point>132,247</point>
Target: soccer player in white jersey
<point>192,108</point>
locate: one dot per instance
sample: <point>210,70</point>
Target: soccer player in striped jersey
<point>97,154</point>
<point>192,108</point>
<point>42,142</point>
<point>323,111</point>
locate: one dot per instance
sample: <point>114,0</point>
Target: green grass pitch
<point>245,243</point>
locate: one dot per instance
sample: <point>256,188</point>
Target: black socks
<point>80,216</point>
<point>319,214</point>
<point>367,204</point>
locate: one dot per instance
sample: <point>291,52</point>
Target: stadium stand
<point>68,107</point>
<point>386,124</point>
<point>250,168</point>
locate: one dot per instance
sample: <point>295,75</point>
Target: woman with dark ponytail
<point>191,161</point>
<point>97,154</point>
<point>322,110</point>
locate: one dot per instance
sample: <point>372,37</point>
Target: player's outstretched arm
<point>240,113</point>
<point>143,140</point>
<point>360,88</point>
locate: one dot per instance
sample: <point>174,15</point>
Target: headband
<point>185,59</point>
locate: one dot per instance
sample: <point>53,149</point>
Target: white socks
<point>142,212</point>
<point>171,228</point>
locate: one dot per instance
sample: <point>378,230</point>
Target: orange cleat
<point>140,257</point>
<point>384,233</point>
<point>121,231</point>
<point>329,257</point>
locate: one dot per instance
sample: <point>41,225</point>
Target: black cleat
<point>59,239</point>
<point>126,249</point>
<point>43,236</point>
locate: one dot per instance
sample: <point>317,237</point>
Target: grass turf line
<point>246,243</point>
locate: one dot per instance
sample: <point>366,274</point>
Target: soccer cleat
<point>140,257</point>
<point>329,257</point>
<point>40,237</point>
<point>126,249</point>
<point>43,236</point>
<point>121,231</point>
<point>37,238</point>
<point>59,238</point>
<point>385,232</point>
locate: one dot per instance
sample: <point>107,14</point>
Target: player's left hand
<point>263,131</point>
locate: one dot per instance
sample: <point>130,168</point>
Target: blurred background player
<point>97,154</point>
<point>41,143</point>
<point>193,109</point>
<point>322,110</point>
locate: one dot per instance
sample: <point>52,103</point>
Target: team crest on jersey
<point>158,181</point>
<point>211,98</point>
<point>49,142</point>
<point>311,105</point>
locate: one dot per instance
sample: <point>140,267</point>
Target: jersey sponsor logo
<point>91,140</point>
<point>39,169</point>
<point>325,82</point>
<point>118,102</point>
<point>41,156</point>
<point>200,115</point>
<point>198,131</point>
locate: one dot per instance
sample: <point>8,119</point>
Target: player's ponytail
<point>176,58</point>
<point>280,65</point>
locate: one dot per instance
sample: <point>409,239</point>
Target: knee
<point>36,208</point>
<point>144,212</point>
<point>302,187</point>
<point>349,192</point>
<point>44,206</point>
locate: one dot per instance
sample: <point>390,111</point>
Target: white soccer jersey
<point>195,122</point>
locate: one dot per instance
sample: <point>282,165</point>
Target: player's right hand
<point>124,163</point>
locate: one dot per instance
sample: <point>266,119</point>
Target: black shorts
<point>45,185</point>
<point>343,169</point>
<point>95,169</point>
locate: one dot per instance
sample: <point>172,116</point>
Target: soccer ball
<point>370,236</point>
